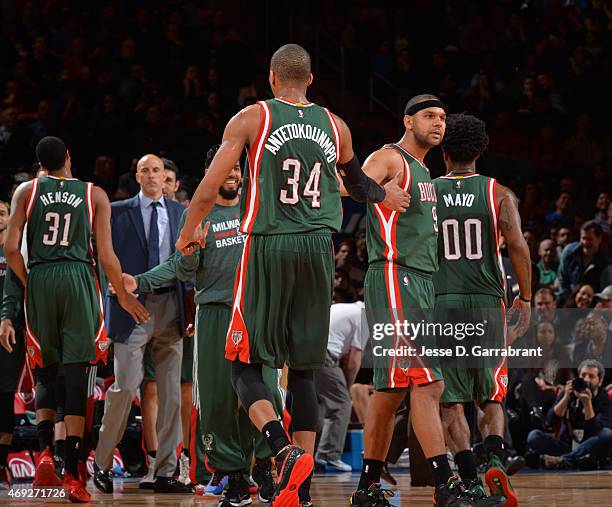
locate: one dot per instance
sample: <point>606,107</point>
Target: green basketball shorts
<point>462,385</point>
<point>227,434</point>
<point>394,293</point>
<point>282,296</point>
<point>64,317</point>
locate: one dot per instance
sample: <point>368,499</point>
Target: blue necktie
<point>153,238</point>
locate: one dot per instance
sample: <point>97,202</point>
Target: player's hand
<point>396,198</point>
<point>520,328</point>
<point>7,335</point>
<point>129,302</point>
<point>188,245</point>
<point>190,331</point>
<point>129,282</point>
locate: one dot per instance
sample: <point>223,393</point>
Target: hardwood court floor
<point>534,489</point>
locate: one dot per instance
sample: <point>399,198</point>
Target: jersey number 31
<point>50,238</point>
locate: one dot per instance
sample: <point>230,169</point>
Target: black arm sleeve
<point>358,184</point>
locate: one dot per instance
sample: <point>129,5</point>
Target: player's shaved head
<point>291,63</point>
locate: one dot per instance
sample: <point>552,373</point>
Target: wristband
<point>524,300</point>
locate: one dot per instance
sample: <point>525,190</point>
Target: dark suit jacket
<point>130,244</point>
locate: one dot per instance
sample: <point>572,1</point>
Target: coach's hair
<point>291,63</point>
<point>465,138</point>
<point>51,153</point>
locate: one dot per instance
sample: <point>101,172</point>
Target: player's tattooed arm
<point>240,131</point>
<point>15,228</point>
<point>518,251</point>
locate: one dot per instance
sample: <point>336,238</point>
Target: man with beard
<point>226,432</point>
<point>402,255</point>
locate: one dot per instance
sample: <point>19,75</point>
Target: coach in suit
<point>144,230</point>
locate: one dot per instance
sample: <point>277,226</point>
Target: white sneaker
<point>183,477</point>
<point>148,481</point>
<point>340,465</point>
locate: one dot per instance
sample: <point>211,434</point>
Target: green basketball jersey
<point>469,235</point>
<point>219,260</point>
<point>291,185</point>
<point>60,217</point>
<point>408,239</point>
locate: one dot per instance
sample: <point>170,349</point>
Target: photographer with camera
<point>585,414</point>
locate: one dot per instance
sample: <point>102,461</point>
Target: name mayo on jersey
<point>61,197</point>
<point>290,131</point>
<point>427,191</point>
<point>465,200</point>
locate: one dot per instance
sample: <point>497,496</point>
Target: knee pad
<point>248,383</point>
<point>76,389</point>
<point>305,413</point>
<point>46,380</point>
<point>7,417</point>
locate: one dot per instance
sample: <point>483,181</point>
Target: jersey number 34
<point>311,190</point>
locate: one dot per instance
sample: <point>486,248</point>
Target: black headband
<point>415,108</point>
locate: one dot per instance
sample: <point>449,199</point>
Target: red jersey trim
<point>31,198</point>
<point>252,203</point>
<point>90,208</point>
<point>494,210</point>
<point>336,131</point>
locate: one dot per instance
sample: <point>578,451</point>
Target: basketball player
<point>62,213</point>
<point>473,210</point>
<point>398,286</point>
<point>224,429</point>
<point>283,288</point>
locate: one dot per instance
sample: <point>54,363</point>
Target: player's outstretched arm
<point>240,130</point>
<point>518,251</point>
<point>108,259</point>
<point>15,227</point>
